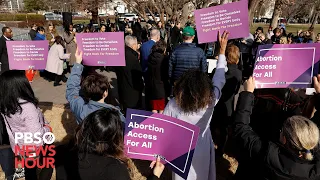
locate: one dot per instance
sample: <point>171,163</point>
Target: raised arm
<point>246,139</point>
<point>219,78</point>
<point>73,87</point>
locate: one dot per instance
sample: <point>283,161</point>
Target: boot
<point>57,81</point>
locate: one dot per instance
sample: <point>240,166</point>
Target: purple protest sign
<point>23,55</point>
<point>102,49</point>
<point>148,134</point>
<point>286,65</point>
<point>232,17</point>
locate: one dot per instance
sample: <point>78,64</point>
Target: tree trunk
<point>314,20</point>
<point>253,4</point>
<point>162,17</point>
<point>184,15</point>
<point>94,15</point>
<point>224,1</point>
<point>276,14</point>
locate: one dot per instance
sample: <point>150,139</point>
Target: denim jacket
<point>78,106</point>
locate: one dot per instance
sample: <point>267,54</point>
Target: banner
<point>232,17</point>
<point>286,65</point>
<point>102,49</point>
<point>148,135</point>
<point>24,55</point>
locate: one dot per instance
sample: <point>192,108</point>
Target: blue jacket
<point>40,37</point>
<point>78,106</point>
<point>186,56</point>
<point>145,51</point>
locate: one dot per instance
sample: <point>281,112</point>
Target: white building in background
<point>12,5</point>
<point>112,7</point>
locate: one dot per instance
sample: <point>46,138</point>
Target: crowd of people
<point>273,134</point>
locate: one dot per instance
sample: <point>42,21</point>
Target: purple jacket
<point>30,119</point>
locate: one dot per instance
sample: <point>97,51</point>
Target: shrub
<point>21,17</point>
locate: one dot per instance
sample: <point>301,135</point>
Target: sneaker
<point>19,173</point>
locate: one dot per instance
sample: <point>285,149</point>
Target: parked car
<point>49,16</point>
<point>130,16</point>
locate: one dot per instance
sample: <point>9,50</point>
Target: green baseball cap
<point>188,31</point>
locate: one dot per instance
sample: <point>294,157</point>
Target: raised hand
<point>316,83</point>
<point>223,41</point>
<point>250,84</point>
<point>78,56</point>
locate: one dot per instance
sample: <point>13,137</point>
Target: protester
<point>40,34</point>
<point>157,73</point>
<point>283,31</point>
<point>130,83</point>
<point>163,33</point>
<point>225,108</point>
<point>290,38</point>
<point>6,36</point>
<point>308,37</point>
<point>51,34</point>
<point>186,56</point>
<point>146,47</point>
<point>56,58</point>
<point>283,40</point>
<point>87,29</point>
<point>69,37</point>
<point>103,28</point>
<point>137,30</point>
<point>258,31</point>
<point>195,98</point>
<point>175,34</point>
<point>98,152</point>
<point>33,31</point>
<point>270,33</point>
<point>19,108</point>
<point>277,36</point>
<point>318,38</point>
<point>293,157</point>
<point>261,40</point>
<point>95,89</point>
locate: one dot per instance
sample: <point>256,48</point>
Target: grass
<point>80,21</point>
<point>290,28</point>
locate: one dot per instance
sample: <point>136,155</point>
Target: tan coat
<point>71,46</point>
<point>55,59</point>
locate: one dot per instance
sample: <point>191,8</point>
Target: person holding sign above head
<point>295,156</point>
<point>195,99</point>
<point>56,59</point>
<point>98,152</point>
<point>95,89</point>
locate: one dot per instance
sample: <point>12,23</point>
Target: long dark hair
<point>101,133</point>
<point>59,40</point>
<point>67,28</point>
<point>14,87</point>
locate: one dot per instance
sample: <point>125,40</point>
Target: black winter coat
<point>225,107</point>
<point>130,83</point>
<point>269,161</point>
<point>3,55</point>
<point>157,75</point>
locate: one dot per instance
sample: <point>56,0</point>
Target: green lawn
<point>293,28</point>
<point>81,21</point>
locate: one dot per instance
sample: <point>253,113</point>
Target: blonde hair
<point>301,135</point>
<point>283,40</point>
<point>232,54</point>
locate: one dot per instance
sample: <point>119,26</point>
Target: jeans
<point>7,162</point>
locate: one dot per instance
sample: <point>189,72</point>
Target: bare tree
<point>315,17</point>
